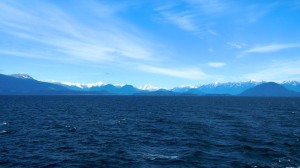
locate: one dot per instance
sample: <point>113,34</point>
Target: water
<point>129,131</point>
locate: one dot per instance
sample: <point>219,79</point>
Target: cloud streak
<point>237,45</point>
<point>271,48</point>
<point>207,7</point>
<point>61,34</point>
<point>190,18</point>
<point>50,33</point>
<point>191,73</point>
<point>216,64</point>
<point>182,20</point>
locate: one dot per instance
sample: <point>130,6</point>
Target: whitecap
<point>122,120</point>
<point>3,132</point>
<point>160,156</point>
<point>71,128</point>
<point>4,123</point>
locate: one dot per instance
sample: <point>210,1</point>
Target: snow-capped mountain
<point>292,85</point>
<point>149,87</point>
<point>71,84</point>
<point>118,90</point>
<point>183,88</point>
<point>21,76</point>
<point>101,87</point>
<point>22,84</point>
<point>213,88</point>
<point>227,88</point>
<point>218,88</point>
<point>81,86</point>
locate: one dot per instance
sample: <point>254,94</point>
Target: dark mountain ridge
<point>18,85</point>
<point>270,89</point>
<point>124,90</point>
<point>22,84</point>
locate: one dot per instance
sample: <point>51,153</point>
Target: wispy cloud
<point>189,18</point>
<point>53,30</point>
<point>182,20</point>
<point>255,13</point>
<point>208,7</point>
<point>216,64</point>
<point>271,48</point>
<point>191,73</point>
<point>237,45</point>
<point>50,33</point>
<point>211,50</point>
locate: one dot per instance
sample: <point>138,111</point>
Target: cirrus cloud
<point>272,48</point>
<point>216,64</point>
<point>190,73</point>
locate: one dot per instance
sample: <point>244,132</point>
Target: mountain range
<point>23,84</point>
<point>270,89</point>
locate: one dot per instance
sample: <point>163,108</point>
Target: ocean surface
<point>137,131</point>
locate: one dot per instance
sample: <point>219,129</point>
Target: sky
<point>163,43</point>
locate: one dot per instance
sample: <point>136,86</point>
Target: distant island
<point>23,84</point>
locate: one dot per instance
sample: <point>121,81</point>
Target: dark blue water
<point>124,131</point>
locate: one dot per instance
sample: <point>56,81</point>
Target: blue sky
<point>162,43</point>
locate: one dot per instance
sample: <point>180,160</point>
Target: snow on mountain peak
<point>96,84</point>
<point>216,84</point>
<point>188,86</point>
<point>119,85</point>
<point>294,83</point>
<point>149,87</point>
<point>79,85</point>
<point>22,76</point>
<point>73,84</point>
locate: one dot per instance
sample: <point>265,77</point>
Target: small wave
<point>3,132</point>
<point>71,128</point>
<point>286,162</point>
<point>159,157</point>
<point>4,123</point>
<point>122,120</point>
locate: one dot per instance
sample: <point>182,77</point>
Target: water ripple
<point>122,131</point>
